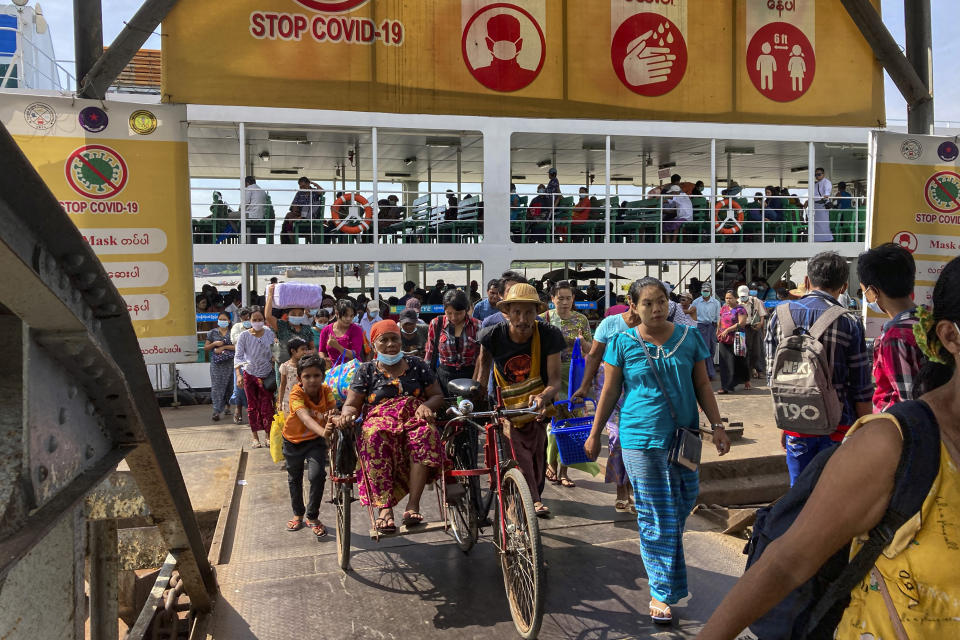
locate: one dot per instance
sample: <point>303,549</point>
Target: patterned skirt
<point>393,439</point>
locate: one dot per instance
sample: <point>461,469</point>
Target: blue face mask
<point>247,324</point>
<point>390,360</point>
<point>313,312</point>
<point>295,320</point>
<point>223,324</point>
<point>875,307</point>
<point>753,292</point>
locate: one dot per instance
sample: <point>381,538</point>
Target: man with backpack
<point>817,365</point>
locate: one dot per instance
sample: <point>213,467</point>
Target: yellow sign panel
<point>916,202</point>
<point>785,62</point>
<point>120,171</point>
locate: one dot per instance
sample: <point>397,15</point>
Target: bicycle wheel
<point>343,499</point>
<point>463,518</point>
<point>521,555</point>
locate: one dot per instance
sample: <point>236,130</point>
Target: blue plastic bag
<point>578,367</point>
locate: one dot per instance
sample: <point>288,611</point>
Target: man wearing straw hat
<point>525,357</point>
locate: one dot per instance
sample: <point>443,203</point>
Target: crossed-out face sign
<point>503,47</point>
<point>331,6</point>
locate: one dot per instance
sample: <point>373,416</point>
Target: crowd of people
<point>652,359</point>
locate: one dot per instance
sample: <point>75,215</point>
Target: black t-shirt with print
<point>511,359</point>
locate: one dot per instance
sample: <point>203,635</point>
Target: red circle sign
<point>332,6</point>
<point>96,171</point>
<point>649,54</point>
<point>781,62</point>
<point>906,240</point>
<point>496,52</point>
<point>942,191</point>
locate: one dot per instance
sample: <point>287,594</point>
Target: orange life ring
<point>723,210</point>
<point>343,209</point>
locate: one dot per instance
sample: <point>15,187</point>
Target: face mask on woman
<point>296,321</point>
<point>390,360</point>
<point>247,324</point>
<point>223,324</point>
<point>257,325</point>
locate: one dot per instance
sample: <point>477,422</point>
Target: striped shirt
<point>253,354</point>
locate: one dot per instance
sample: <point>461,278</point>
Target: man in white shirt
<point>822,189</point>
<point>254,199</point>
<point>370,318</point>
<point>677,210</point>
<point>708,314</point>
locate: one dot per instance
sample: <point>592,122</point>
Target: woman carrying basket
<point>661,369</point>
<point>573,325</point>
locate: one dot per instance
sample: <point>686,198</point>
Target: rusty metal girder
<point>75,395</point>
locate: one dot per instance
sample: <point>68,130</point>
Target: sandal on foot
<point>215,417</point>
<point>660,615</point>
<point>294,524</point>
<point>567,482</point>
<point>318,528</point>
<point>551,475</point>
<point>255,444</point>
<point>412,518</point>
<point>541,509</point>
<point>383,525</point>
<point>622,505</point>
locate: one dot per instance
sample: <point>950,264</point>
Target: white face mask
<point>257,326</point>
<point>504,49</point>
<point>744,298</point>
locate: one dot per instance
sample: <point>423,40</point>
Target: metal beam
<point>104,577</point>
<point>885,48</point>
<point>75,314</point>
<point>919,41</point>
<point>140,27</point>
<point>87,36</point>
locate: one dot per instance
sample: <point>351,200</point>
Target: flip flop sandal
<point>412,518</point>
<point>622,506</point>
<point>294,524</point>
<point>541,509</point>
<point>567,482</point>
<point>255,444</point>
<point>660,615</point>
<point>551,476</point>
<point>383,527</point>
<point>318,528</point>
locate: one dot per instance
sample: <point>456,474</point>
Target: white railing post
<point>713,190</point>
<point>376,199</point>
<point>242,138</point>
<point>606,231</point>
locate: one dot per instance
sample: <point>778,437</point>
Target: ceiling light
<point>667,165</point>
<point>442,142</point>
<point>397,174</point>
<point>799,169</point>
<point>740,151</point>
<point>264,155</point>
<point>284,136</point>
<point>621,179</point>
<point>409,161</point>
<point>545,163</point>
<point>518,177</point>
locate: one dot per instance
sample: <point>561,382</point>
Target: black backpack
<point>813,610</point>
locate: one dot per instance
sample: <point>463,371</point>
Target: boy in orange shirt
<point>305,431</point>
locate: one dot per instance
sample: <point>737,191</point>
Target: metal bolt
<point>89,452</point>
<point>62,415</point>
<point>42,473</point>
<point>89,408</point>
<point>109,309</point>
<point>72,391</point>
<point>51,444</point>
<point>97,293</point>
<point>86,278</point>
<point>49,263</point>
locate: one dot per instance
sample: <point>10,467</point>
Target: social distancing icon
<point>781,61</point>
